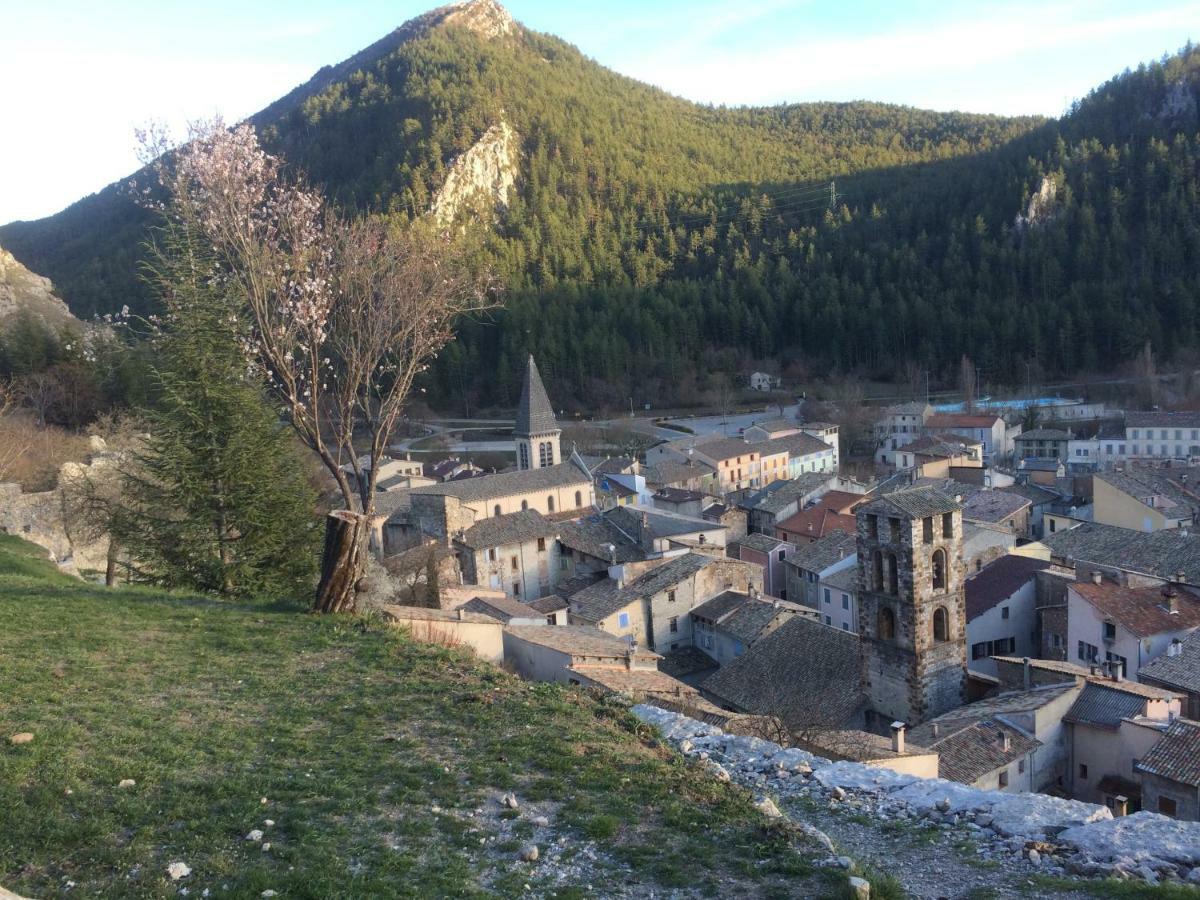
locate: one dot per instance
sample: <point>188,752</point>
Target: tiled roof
<point>441,468</point>
<point>993,506</point>
<point>916,503</point>
<point>912,408</point>
<point>967,754</point>
<point>592,534</point>
<point>1140,610</point>
<point>634,682</point>
<point>840,501</point>
<point>763,543</point>
<point>944,446</point>
<point>596,603</point>
<point>1104,707</point>
<point>722,448</point>
<point>1161,553</point>
<point>513,528</point>
<point>535,415</point>
<point>798,445</point>
<point>686,661</point>
<point>843,580</point>
<point>823,553</point>
<point>502,608</point>
<point>670,472</point>
<point>803,671</point>
<point>998,581</point>
<point>398,613</point>
<point>577,640</point>
<point>1044,434</point>
<point>1176,756</point>
<point>816,521</point>
<point>779,494</point>
<point>1031,492</point>
<point>741,615</point>
<point>508,484</point>
<point>1168,495</point>
<point>714,511</point>
<point>678,495</point>
<point>549,603</point>
<point>1181,670</point>
<point>1147,691</point>
<point>616,465</point>
<point>774,426</point>
<point>1030,464</point>
<point>661,522</point>
<point>960,420</point>
<point>1186,419</point>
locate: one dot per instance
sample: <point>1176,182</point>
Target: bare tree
<point>969,387</point>
<point>13,447</point>
<point>343,314</point>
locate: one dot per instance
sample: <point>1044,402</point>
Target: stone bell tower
<point>912,606</point>
<point>536,432</point>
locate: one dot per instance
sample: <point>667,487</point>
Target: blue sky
<point>80,76</point>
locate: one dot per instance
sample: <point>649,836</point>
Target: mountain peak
<point>486,17</point>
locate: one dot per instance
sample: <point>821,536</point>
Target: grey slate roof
<point>764,543</point>
<point>502,608</point>
<point>1160,553</point>
<point>535,415</point>
<point>967,754</point>
<point>843,580</point>
<point>613,465</point>
<point>596,603</point>
<point>1104,707</point>
<point>1181,671</point>
<point>1033,493</point>
<point>779,494</point>
<point>550,603</point>
<point>661,522</point>
<point>513,528</point>
<point>748,620</point>
<point>916,503</point>
<point>577,640</point>
<point>1044,434</point>
<point>508,484</point>
<point>686,661</point>
<point>1176,756</point>
<point>998,581</point>
<point>803,672</point>
<point>1146,485</point>
<point>1162,419</point>
<point>823,552</point>
<point>671,471</point>
<point>993,506</point>
<point>592,534</point>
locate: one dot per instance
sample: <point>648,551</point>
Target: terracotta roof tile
<point>1141,611</point>
<point>1176,756</point>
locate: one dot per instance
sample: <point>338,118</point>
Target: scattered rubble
<point>1044,834</point>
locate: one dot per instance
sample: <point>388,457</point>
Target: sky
<point>80,76</point>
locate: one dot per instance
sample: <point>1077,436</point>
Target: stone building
<point>517,553</point>
<point>536,432</point>
<point>912,608</point>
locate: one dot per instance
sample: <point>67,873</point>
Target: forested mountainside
<point>652,241</point>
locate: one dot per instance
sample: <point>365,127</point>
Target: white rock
<point>510,801</point>
<point>126,783</point>
<point>541,822</point>
<point>268,893</point>
<point>179,870</point>
<point>767,807</point>
<point>266,846</point>
<point>255,835</point>
<point>860,888</point>
<point>529,853</point>
<point>1035,857</point>
<point>1132,840</point>
<point>269,822</point>
<point>845,862</point>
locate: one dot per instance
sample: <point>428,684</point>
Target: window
<point>828,620</point>
<point>894,528</point>
<point>845,601</point>
<point>1056,641</point>
<point>541,545</point>
<point>670,596</point>
<point>873,526</point>
<point>550,503</point>
<point>1110,631</point>
<point>827,600</point>
<point>492,554</point>
<point>545,453</point>
<point>1162,433</point>
<point>845,626</point>
<point>893,575</point>
<point>550,620</point>
<point>947,525</point>
<point>516,589</point>
<point>673,624</point>
<point>979,650</point>
<point>1088,652</point>
<point>1167,806</point>
<point>1133,434</point>
<point>578,499</point>
<point>1004,612</point>
<point>524,505</point>
<point>939,569</point>
<point>781,552</point>
<point>998,647</point>
<point>1053,526</point>
<point>514,563</point>
<point>941,628</point>
<point>623,620</point>
<point>1117,658</point>
<point>1083,771</point>
<point>1004,779</point>
<point>1121,450</point>
<point>927,529</point>
<point>1021,767</point>
<point>887,624</point>
<point>524,448</point>
<point>496,510</point>
<point>563,565</point>
<point>876,568</point>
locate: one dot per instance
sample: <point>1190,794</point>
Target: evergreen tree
<point>217,499</point>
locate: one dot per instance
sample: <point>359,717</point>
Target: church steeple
<point>536,432</point>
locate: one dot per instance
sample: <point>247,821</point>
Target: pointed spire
<point>534,414</point>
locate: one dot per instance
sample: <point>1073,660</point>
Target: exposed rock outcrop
<point>479,181</point>
<point>21,289</point>
<point>1041,205</point>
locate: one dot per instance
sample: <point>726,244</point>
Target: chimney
<point>1005,742</point>
<point>1168,595</point>
<point>1118,670</point>
<point>898,729</point>
<point>754,592</point>
<point>1120,805</point>
<point>936,729</point>
<point>1026,674</point>
<point>462,615</point>
<point>629,652</point>
<point>1097,577</point>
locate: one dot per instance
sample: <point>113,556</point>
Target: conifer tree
<point>216,499</point>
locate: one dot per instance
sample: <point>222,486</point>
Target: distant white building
<point>763,381</point>
<point>899,426</point>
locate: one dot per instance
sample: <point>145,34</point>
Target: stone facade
<point>913,624</point>
<point>1158,792</point>
<point>524,571</point>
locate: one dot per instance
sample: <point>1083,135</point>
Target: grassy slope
<point>352,733</point>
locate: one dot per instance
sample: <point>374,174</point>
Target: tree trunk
<point>342,561</point>
<point>110,564</point>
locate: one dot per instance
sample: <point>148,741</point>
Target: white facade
<point>1094,638</point>
<point>763,381</point>
<point>1007,629</point>
<point>901,425</point>
<point>837,604</point>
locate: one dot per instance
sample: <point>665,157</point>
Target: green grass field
<point>380,762</point>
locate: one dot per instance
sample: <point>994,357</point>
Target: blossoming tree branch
<point>343,313</point>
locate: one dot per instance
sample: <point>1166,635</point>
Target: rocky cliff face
<point>478,182</point>
<point>21,289</point>
<point>1041,205</point>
